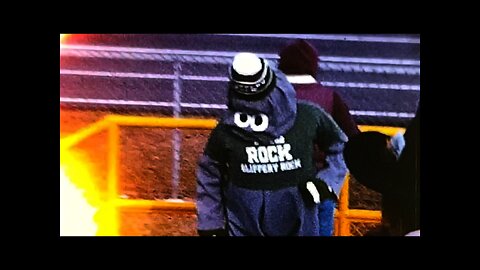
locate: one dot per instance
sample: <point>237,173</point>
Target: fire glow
<point>62,38</point>
<point>79,199</point>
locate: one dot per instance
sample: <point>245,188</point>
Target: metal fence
<point>177,82</point>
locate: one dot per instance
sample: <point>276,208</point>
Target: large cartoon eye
<point>259,123</point>
<point>242,120</point>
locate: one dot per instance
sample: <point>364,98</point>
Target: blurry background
<point>185,75</point>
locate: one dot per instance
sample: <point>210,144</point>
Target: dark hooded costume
<point>372,160</point>
<point>252,177</point>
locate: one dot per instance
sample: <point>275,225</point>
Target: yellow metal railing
<point>343,215</point>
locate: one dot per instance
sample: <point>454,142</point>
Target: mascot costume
<point>256,176</point>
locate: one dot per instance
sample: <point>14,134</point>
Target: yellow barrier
<point>164,122</point>
<point>156,205</point>
<point>343,215</point>
<point>386,130</point>
<point>82,134</point>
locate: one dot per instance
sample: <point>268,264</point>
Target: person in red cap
<point>299,62</point>
<point>257,176</point>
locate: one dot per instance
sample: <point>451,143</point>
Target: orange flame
<point>84,209</point>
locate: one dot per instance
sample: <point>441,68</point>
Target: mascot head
<point>261,102</point>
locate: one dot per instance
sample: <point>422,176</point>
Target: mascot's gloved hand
<point>212,233</point>
<point>315,191</point>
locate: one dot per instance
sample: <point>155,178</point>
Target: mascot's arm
<point>334,173</point>
<point>333,140</point>
<point>210,207</point>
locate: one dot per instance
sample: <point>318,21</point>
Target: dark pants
<point>270,213</point>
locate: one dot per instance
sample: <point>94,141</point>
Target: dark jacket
<point>374,165</point>
<point>329,100</point>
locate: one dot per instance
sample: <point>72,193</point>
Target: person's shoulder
<point>333,92</point>
<point>309,107</point>
<point>326,89</point>
<point>219,130</point>
<point>309,110</point>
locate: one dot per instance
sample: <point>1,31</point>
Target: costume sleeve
<point>342,116</point>
<point>332,140</point>
<point>210,207</point>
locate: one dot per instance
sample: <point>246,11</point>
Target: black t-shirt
<point>282,162</point>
